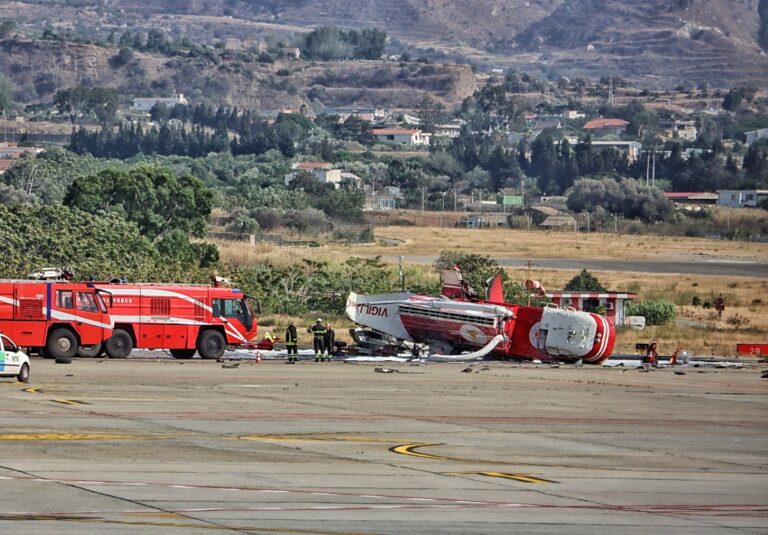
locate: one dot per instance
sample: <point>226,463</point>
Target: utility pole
<point>709,107</point>
<point>455,201</point>
<point>653,173</point>
<point>588,227</point>
<point>647,167</point>
<point>610,90</point>
<point>616,223</point>
<point>422,199</point>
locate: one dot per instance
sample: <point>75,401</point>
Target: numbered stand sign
<point>752,350</point>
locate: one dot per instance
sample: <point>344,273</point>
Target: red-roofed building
<point>604,127</point>
<point>691,197</point>
<point>400,136</point>
<point>5,165</point>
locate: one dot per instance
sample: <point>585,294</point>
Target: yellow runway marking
<point>70,402</point>
<point>43,390</point>
<point>410,449</point>
<point>318,438</point>
<point>506,475</point>
<point>69,436</point>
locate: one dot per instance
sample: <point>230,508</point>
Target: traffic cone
<point>258,357</point>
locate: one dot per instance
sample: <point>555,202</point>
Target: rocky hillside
<point>699,41</point>
<point>654,42</point>
<point>39,68</point>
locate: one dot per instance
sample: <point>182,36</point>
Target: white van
<point>13,361</point>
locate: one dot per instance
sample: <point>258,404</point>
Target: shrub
<point>584,282</point>
<point>656,312</point>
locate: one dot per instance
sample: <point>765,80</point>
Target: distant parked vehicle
<point>13,361</point>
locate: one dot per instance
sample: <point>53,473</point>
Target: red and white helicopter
<point>460,326</point>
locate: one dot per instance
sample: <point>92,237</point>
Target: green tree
<point>627,197</point>
<point>344,203</point>
<point>6,93</point>
<point>176,247</point>
<point>7,27</point>
<point>46,177</point>
<point>762,36</point>
<point>584,282</point>
<point>151,196</point>
<point>327,43</point>
<point>100,245</point>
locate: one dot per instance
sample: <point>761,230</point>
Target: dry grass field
<point>555,244</point>
<point>697,329</point>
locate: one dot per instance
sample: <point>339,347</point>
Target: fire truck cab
<point>53,317</point>
<point>182,318</point>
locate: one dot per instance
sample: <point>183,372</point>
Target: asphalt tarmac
<point>698,267</point>
<point>164,446</point>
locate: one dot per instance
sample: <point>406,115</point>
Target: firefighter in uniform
<point>318,338</point>
<point>292,342</point>
<point>328,340</point>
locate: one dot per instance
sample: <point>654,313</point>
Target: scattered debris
<point>678,372</point>
<point>764,375</point>
<point>467,370</point>
<point>386,370</point>
<point>230,366</point>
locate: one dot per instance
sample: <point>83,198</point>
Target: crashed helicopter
<point>458,325</point>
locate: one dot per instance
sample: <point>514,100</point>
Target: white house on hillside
<point>323,172</point>
<point>401,136</point>
<point>145,104</point>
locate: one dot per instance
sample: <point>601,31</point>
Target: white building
<point>323,172</point>
<point>574,114</point>
<point>614,303</point>
<point>753,135</point>
<point>741,198</point>
<point>145,104</point>
<point>630,148</point>
<point>401,136</point>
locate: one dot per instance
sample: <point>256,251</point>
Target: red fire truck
<point>53,317</point>
<point>180,318</point>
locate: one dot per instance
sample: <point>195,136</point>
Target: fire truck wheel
<point>182,353</point>
<point>119,344</point>
<point>23,376</point>
<point>61,345</point>
<point>211,345</point>
<point>92,352</point>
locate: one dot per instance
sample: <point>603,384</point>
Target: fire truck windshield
<point>86,302</point>
<point>230,308</point>
<point>102,304</point>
